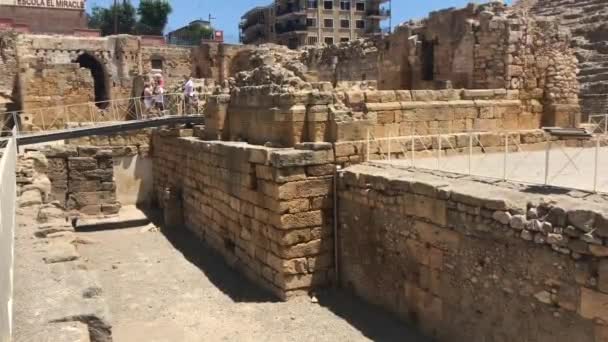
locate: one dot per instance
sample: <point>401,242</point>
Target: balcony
<point>379,13</point>
<point>375,30</point>
<point>290,9</point>
<point>290,27</point>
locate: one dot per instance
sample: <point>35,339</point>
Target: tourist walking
<point>159,93</point>
<point>147,99</point>
<point>189,95</point>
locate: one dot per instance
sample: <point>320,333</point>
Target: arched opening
<point>100,79</point>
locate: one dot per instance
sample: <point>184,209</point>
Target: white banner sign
<point>63,4</point>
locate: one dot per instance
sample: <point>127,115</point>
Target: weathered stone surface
<point>582,219</point>
<point>503,217</point>
<point>60,251</point>
<point>30,198</point>
<point>518,222</point>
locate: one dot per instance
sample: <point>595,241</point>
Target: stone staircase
<point>588,22</point>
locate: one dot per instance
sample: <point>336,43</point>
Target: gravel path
<point>168,287</point>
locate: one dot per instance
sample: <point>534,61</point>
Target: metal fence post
<point>595,165</point>
<point>504,166</point>
<point>389,145</point>
<point>470,152</point>
<point>413,158</point>
<point>547,159</point>
<point>368,141</point>
<point>439,152</point>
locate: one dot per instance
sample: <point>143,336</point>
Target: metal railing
<point>98,113</point>
<point>8,199</point>
<point>599,122</point>
<point>502,156</point>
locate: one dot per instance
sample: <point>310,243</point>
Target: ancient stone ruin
<point>299,179</point>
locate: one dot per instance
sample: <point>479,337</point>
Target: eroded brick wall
<point>267,211</point>
<point>467,261</point>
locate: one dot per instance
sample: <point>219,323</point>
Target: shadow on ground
<point>228,280</point>
<point>373,322</point>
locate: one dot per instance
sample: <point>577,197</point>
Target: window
<point>329,23</point>
<point>344,39</point>
<point>344,23</point>
<point>360,6</point>
<point>345,5</point>
<point>312,40</point>
<point>329,40</point>
<point>157,63</point>
<point>360,24</point>
<point>311,22</point>
<point>312,4</point>
<point>328,4</point>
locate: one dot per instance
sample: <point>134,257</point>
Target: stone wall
<point>119,55</point>
<point>8,69</point>
<point>58,86</point>
<point>219,61</point>
<point>470,261</point>
<point>586,20</point>
<point>82,179</point>
<point>267,211</point>
<point>259,116</point>
<point>176,62</point>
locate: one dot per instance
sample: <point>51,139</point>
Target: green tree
<point>196,32</point>
<point>153,16</point>
<point>103,18</point>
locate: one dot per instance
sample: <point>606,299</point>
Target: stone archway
<point>100,78</point>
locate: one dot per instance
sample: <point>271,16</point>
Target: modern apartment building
<point>310,22</point>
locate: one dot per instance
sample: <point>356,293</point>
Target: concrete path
<point>568,166</point>
<point>163,286</point>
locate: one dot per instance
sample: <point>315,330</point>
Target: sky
<point>227,13</point>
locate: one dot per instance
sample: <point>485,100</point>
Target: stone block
<point>302,189</point>
<point>441,238</point>
<point>284,175</point>
<point>299,220</point>
<point>593,305</point>
<point>286,158</point>
<point>320,170</point>
<point>82,163</point>
<point>103,175</point>
<point>305,249</point>
<point>84,186</point>
<point>82,199</point>
<point>432,209</point>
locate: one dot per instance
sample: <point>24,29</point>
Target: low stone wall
<point>267,211</point>
<point>258,115</point>
<point>82,178</point>
<point>470,261</point>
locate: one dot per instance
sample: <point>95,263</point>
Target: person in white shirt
<point>159,92</point>
<point>188,93</point>
<point>147,98</point>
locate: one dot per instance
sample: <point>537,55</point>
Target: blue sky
<point>228,12</point>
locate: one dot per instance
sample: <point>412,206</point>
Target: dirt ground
<point>166,286</point>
